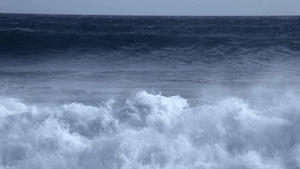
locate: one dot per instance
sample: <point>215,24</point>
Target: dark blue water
<point>149,92</point>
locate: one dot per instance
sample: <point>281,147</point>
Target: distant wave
<point>45,34</point>
<point>150,131</point>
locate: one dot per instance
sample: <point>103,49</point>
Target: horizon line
<point>145,15</point>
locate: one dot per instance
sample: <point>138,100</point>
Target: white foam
<point>150,131</point>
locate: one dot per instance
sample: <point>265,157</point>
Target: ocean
<point>149,92</point>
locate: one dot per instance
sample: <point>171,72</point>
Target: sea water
<point>147,92</point>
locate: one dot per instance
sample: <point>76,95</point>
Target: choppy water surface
<point>149,92</point>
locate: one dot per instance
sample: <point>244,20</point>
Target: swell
<point>31,34</point>
<point>150,131</point>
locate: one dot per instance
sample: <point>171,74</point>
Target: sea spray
<point>150,131</point>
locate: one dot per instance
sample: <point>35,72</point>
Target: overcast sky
<point>153,7</point>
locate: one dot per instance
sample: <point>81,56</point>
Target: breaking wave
<point>150,131</point>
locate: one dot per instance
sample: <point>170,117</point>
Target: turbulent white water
<point>151,131</point>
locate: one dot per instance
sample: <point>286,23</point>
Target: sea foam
<point>150,131</point>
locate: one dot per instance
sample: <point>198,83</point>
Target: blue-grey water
<point>137,92</point>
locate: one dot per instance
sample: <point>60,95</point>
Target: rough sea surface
<point>137,92</point>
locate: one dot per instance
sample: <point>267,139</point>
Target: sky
<point>153,7</point>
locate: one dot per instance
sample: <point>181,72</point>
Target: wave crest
<point>150,131</point>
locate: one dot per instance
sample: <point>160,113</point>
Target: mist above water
<point>150,131</point>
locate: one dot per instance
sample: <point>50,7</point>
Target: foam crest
<point>150,131</point>
<point>148,110</point>
<point>10,106</point>
<point>87,120</point>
